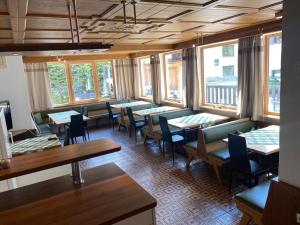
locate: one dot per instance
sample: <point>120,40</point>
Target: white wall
<point>289,163</point>
<point>13,87</point>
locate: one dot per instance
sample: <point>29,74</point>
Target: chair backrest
<point>77,126</point>
<point>130,116</point>
<point>109,109</point>
<point>84,111</point>
<point>164,126</point>
<point>67,137</point>
<point>238,153</point>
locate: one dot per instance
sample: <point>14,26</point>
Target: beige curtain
<point>250,81</point>
<point>136,78</point>
<point>124,78</point>
<point>156,79</point>
<point>38,86</point>
<point>191,79</point>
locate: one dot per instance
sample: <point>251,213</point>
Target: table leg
<point>76,173</point>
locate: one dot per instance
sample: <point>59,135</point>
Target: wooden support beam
<point>17,11</point>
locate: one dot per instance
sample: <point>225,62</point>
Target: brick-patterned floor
<point>184,196</point>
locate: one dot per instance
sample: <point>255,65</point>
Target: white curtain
<point>38,86</point>
<point>191,79</point>
<point>124,78</point>
<point>250,81</point>
<point>156,79</point>
<point>136,78</point>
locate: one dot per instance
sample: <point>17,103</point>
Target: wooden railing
<point>221,94</point>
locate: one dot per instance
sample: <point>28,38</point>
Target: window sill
<point>146,99</point>
<point>225,109</point>
<point>90,102</point>
<point>172,103</point>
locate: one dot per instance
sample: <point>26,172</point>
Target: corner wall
<point>13,87</point>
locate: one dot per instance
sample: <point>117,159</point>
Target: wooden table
<point>36,144</point>
<point>264,141</point>
<point>31,163</point>
<point>108,196</point>
<point>61,118</point>
<point>156,110</point>
<point>197,120</point>
<point>130,104</point>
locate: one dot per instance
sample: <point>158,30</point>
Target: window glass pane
<point>83,83</point>
<point>221,79</point>
<point>174,76</point>
<point>106,85</point>
<point>145,68</point>
<point>58,82</point>
<point>274,74</point>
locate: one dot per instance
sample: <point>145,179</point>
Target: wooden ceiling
<point>159,22</point>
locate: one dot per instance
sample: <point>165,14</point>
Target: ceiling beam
<point>17,11</point>
<point>140,47</point>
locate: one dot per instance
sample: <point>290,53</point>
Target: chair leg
<point>246,219</point>
<point>217,172</point>
<point>189,160</point>
<point>163,148</point>
<point>113,124</point>
<point>88,133</point>
<point>230,181</point>
<point>159,145</point>
<point>135,134</point>
<point>145,139</point>
<point>173,154</point>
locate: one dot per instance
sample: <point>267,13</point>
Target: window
<point>105,79</point>
<point>228,51</point>
<point>73,82</point>
<point>145,71</point>
<point>273,56</point>
<point>173,64</point>
<point>82,80</point>
<point>58,82</point>
<point>220,82</point>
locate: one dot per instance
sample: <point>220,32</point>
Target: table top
<point>108,196</point>
<point>264,141</point>
<point>201,119</point>
<point>59,156</point>
<point>130,104</point>
<point>63,117</point>
<point>35,144</point>
<point>156,110</point>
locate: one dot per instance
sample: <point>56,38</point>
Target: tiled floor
<point>185,196</point>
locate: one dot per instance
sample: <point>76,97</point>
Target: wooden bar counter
<point>108,196</point>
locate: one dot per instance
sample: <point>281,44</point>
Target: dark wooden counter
<point>31,163</point>
<point>108,196</point>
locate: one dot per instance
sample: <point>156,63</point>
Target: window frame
<point>201,49</point>
<point>266,38</point>
<point>141,78</point>
<point>165,78</point>
<point>95,75</point>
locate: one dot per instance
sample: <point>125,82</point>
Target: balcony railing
<point>225,94</point>
<point>274,98</point>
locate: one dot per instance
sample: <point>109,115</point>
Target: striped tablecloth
<point>130,104</point>
<point>201,119</point>
<point>36,144</point>
<point>60,118</point>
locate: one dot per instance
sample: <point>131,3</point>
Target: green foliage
<point>105,79</point>
<point>59,86</point>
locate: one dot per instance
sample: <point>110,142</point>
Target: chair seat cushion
<point>222,154</point>
<point>257,168</point>
<point>255,197</point>
<point>192,145</point>
<point>139,123</point>
<point>177,138</point>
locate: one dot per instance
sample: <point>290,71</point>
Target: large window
<point>59,84</point>
<point>273,79</point>
<point>173,81</point>
<point>220,74</point>
<point>145,71</point>
<point>105,78</point>
<point>78,82</point>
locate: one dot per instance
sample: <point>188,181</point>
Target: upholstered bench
<point>210,146</point>
<point>252,203</point>
<point>153,131</point>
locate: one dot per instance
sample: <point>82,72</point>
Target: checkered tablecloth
<point>36,144</point>
<point>156,110</point>
<point>130,104</point>
<point>264,136</point>
<point>201,119</point>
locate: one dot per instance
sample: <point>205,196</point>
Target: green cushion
<point>38,118</point>
<point>255,197</point>
<point>221,131</point>
<point>192,145</point>
<point>222,154</point>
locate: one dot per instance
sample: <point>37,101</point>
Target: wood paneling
<point>108,196</point>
